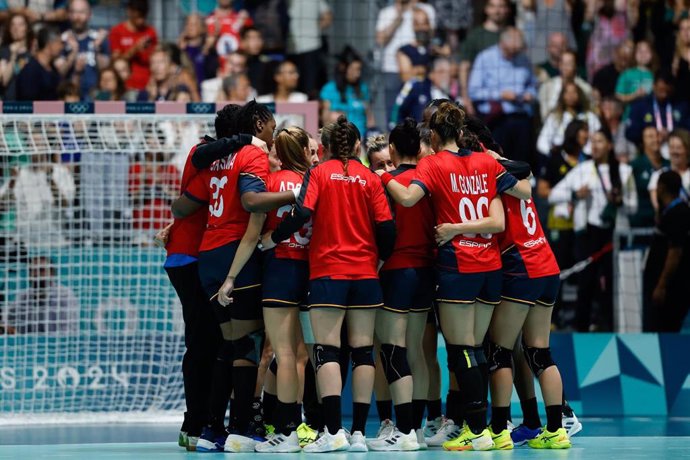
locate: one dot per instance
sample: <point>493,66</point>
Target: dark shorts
<point>466,288</point>
<point>408,289</point>
<point>345,294</point>
<point>213,268</point>
<point>285,281</point>
<point>531,291</point>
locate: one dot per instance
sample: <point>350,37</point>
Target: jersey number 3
<point>216,209</point>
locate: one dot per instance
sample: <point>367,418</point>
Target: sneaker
<point>280,443</point>
<point>446,432</point>
<point>420,439</point>
<point>386,428</point>
<point>522,434</point>
<point>238,443</point>
<point>549,440</point>
<point>211,440</point>
<point>329,442</point>
<point>192,441</point>
<point>502,440</point>
<point>256,429</point>
<point>396,441</point>
<point>570,422</point>
<point>511,427</point>
<point>270,430</point>
<point>182,439</point>
<point>358,443</point>
<point>306,434</point>
<point>431,427</point>
<point>470,441</point>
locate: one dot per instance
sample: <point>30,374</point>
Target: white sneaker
<point>511,427</point>
<point>571,424</point>
<point>280,443</point>
<point>385,429</point>
<point>420,439</point>
<point>446,432</point>
<point>396,441</point>
<point>237,443</point>
<point>358,443</point>
<point>328,442</point>
<point>431,426</point>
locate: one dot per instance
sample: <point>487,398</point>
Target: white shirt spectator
<point>403,35</point>
<point>295,96</point>
<point>553,131</point>
<point>550,91</point>
<point>305,33</point>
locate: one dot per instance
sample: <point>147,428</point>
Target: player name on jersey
<point>469,185</point>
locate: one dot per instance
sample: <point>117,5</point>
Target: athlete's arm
<point>385,238</point>
<point>494,223</point>
<point>212,150</point>
<point>184,206</point>
<point>292,223</point>
<point>522,190</point>
<point>406,196</point>
<point>244,252</point>
<point>266,201</point>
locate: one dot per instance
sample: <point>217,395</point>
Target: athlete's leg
<point>414,337</point>
<point>382,393</point>
<point>360,327</point>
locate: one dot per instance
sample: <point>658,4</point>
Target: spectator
<point>606,78</point>
<point>555,47</point>
<point>123,69</point>
<point>162,82</point>
<point>347,94</point>
<point>394,29</point>
<point>181,70</point>
<point>655,21</point>
<point>378,155</point>
<point>603,194</point>
<point>17,40</point>
<point>644,166</point>
<point>550,17</point>
<point>45,306</point>
<point>86,50</point>
<point>234,64</point>
<point>637,82</point>
<point>236,88</point>
<point>39,79</point>
<point>134,40</point>
<point>110,86</point>
<point>478,39</point>
<point>506,103</point>
<point>67,91</point>
<point>681,60</point>
<point>286,78</point>
<point>414,58</point>
<point>611,114</point>
<point>679,152</point>
<point>258,64</point>
<point>609,29</point>
<point>668,263</point>
<point>192,42</point>
<point>657,109</point>
<point>416,94</point>
<point>550,90</point>
<point>223,28</point>
<point>272,20</point>
<point>572,104</point>
<point>46,12</point>
<point>308,20</point>
<point>455,17</point>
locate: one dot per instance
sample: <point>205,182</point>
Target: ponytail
<point>345,137</point>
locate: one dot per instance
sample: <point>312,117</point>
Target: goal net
<point>90,327</point>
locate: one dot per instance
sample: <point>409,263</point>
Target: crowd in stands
<point>594,94</point>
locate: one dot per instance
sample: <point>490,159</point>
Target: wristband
<point>386,178</point>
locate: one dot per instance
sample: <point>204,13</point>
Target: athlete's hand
<point>161,238</point>
<point>659,295</point>
<point>444,233</point>
<point>267,242</point>
<point>583,192</point>
<point>380,172</point>
<point>495,155</point>
<point>225,290</point>
<point>259,143</point>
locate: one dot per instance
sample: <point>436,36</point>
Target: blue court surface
<point>629,438</point>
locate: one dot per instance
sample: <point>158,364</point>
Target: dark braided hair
<point>226,120</point>
<point>343,141</point>
<point>250,113</point>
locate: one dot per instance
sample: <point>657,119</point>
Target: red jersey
<point>524,248</point>
<point>297,246</point>
<point>150,186</point>
<point>185,234</point>
<point>461,185</point>
<point>415,245</point>
<point>345,210</point>
<point>221,186</point>
<point>122,38</point>
<point>227,27</point>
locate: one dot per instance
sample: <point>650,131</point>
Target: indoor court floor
<point>602,438</point>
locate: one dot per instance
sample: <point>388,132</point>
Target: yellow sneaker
<point>502,440</point>
<point>470,441</point>
<point>306,434</point>
<point>549,440</point>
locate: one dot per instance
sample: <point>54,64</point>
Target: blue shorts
<point>465,288</point>
<point>213,269</point>
<point>408,289</point>
<point>285,281</point>
<point>531,291</point>
<point>345,294</point>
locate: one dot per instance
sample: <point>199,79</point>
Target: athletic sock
<point>418,406</point>
<point>313,412</point>
<point>483,369</point>
<point>385,409</point>
<point>553,418</point>
<point>244,379</point>
<point>221,388</point>
<point>270,404</point>
<point>470,381</point>
<point>284,420</point>
<point>360,412</point>
<point>499,418</point>
<point>403,417</point>
<point>453,409</point>
<point>433,409</point>
<point>332,413</point>
<point>530,413</point>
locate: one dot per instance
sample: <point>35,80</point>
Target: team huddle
<point>314,265</point>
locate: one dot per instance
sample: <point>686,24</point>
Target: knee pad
<point>225,352</point>
<point>362,356</point>
<point>273,367</point>
<point>394,361</point>
<point>499,357</point>
<point>480,354</point>
<point>538,359</point>
<point>249,347</point>
<point>461,358</point>
<point>324,354</point>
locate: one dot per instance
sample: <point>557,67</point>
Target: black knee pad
<point>480,352</point>
<point>225,352</point>
<point>362,356</point>
<point>273,367</point>
<point>249,347</point>
<point>538,359</point>
<point>394,361</point>
<point>461,358</point>
<point>325,354</point>
<point>499,357</point>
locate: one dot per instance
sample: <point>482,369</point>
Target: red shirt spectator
<point>225,24</point>
<point>135,40</point>
<point>153,185</point>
